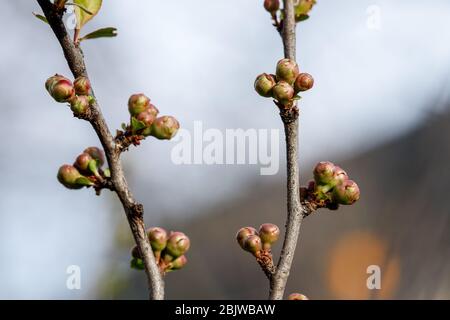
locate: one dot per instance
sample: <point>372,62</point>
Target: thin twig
<point>133,210</point>
<point>296,212</point>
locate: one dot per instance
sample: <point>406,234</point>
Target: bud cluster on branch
<point>168,249</point>
<point>330,188</point>
<point>255,241</point>
<point>86,171</point>
<point>285,85</point>
<point>77,94</point>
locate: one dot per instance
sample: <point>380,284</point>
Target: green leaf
<point>137,264</point>
<point>301,17</point>
<point>81,7</point>
<point>40,17</point>
<point>93,167</point>
<point>302,9</point>
<point>123,126</point>
<point>89,11</point>
<point>101,33</point>
<point>83,181</point>
<point>107,173</point>
<point>137,125</point>
<point>297,98</point>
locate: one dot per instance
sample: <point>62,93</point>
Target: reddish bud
<point>60,88</point>
<point>324,173</point>
<point>82,162</point>
<point>177,244</point>
<point>243,234</point>
<point>253,244</point>
<point>283,92</point>
<point>269,233</point>
<point>158,238</point>
<point>165,127</point>
<point>264,84</point>
<point>71,178</point>
<point>146,117</point>
<point>178,263</point>
<point>271,5</point>
<point>303,82</point>
<point>287,70</point>
<point>347,192</point>
<point>96,154</point>
<point>339,175</point>
<point>82,86</point>
<point>297,296</point>
<point>80,104</point>
<point>138,103</point>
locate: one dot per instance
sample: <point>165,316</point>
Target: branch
<point>133,210</point>
<point>296,211</point>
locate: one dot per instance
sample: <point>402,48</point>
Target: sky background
<point>196,61</point>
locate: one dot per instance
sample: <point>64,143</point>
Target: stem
<point>296,211</point>
<point>133,210</point>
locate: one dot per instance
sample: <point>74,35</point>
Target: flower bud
<point>60,88</point>
<point>346,192</point>
<point>136,253</point>
<point>158,238</point>
<point>287,70</point>
<point>178,263</point>
<point>82,86</point>
<point>146,117</point>
<point>264,84</point>
<point>96,154</point>
<point>71,178</point>
<point>253,244</point>
<point>339,175</point>
<point>165,127</point>
<point>324,173</point>
<point>269,233</point>
<point>80,104</point>
<point>271,5</point>
<point>283,92</point>
<point>177,244</point>
<point>297,296</point>
<point>303,82</point>
<point>138,103</point>
<point>82,162</point>
<point>243,234</point>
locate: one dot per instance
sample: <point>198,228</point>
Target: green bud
<point>165,128</point>
<point>269,233</point>
<point>253,244</point>
<point>177,244</point>
<point>60,88</point>
<point>178,263</point>
<point>138,103</point>
<point>346,192</point>
<point>137,264</point>
<point>271,5</point>
<point>96,154</point>
<point>82,86</point>
<point>158,238</point>
<point>264,84</point>
<point>297,296</point>
<point>283,92</point>
<point>82,162</point>
<point>324,173</point>
<point>136,253</point>
<point>71,178</point>
<point>287,70</point>
<point>303,82</point>
<point>80,104</point>
<point>243,234</point>
<point>339,175</point>
<point>146,117</point>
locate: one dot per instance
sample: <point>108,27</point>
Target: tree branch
<point>296,211</point>
<point>133,210</point>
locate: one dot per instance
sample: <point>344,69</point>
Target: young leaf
<point>101,33</point>
<point>91,6</point>
<point>137,125</point>
<point>40,17</point>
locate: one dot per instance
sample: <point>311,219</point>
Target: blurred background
<point>379,108</point>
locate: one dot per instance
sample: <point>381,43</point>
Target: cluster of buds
<point>86,171</point>
<point>145,121</point>
<point>301,11</point>
<point>297,296</point>
<point>168,249</point>
<point>331,187</point>
<point>77,94</point>
<point>257,242</point>
<point>285,85</point>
